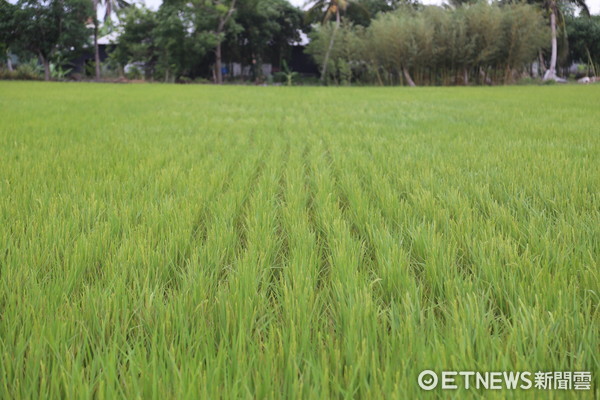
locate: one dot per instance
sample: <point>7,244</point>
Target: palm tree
<point>331,7</point>
<point>109,6</point>
<point>554,9</point>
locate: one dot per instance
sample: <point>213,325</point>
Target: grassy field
<point>163,242</point>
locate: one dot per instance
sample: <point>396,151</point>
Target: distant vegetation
<point>381,42</point>
<point>435,46</point>
<point>375,42</point>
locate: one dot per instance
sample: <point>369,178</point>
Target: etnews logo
<point>447,380</point>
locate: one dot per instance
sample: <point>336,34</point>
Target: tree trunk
<point>507,75</point>
<point>378,76</point>
<point>218,72</point>
<point>485,78</point>
<point>96,47</point>
<point>542,63</point>
<point>9,61</point>
<point>331,40</point>
<point>46,67</point>
<point>551,72</point>
<point>257,68</point>
<point>220,29</point>
<point>465,76</point>
<point>407,77</point>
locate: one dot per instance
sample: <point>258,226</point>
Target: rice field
<point>201,242</point>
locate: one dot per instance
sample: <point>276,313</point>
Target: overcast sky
<point>594,5</point>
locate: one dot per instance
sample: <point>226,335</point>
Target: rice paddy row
<point>238,242</point>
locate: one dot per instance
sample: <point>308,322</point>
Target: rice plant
<point>162,241</point>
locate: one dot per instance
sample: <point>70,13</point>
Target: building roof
<point>111,38</point>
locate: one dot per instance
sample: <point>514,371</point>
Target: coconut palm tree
<point>552,6</point>
<point>109,7</point>
<point>330,8</point>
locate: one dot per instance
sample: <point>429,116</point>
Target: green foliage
<point>524,34</point>
<point>357,12</point>
<point>561,10</point>
<point>136,41</point>
<point>288,74</point>
<point>7,28</point>
<point>362,12</point>
<point>134,73</point>
<point>26,71</point>
<point>59,69</point>
<point>58,72</point>
<point>51,28</point>
<point>584,39</point>
<point>181,36</point>
<point>264,31</point>
<point>315,243</point>
<point>346,62</point>
<point>89,69</point>
<point>434,45</point>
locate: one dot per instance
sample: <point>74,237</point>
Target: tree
<point>263,30</point>
<point>485,25</point>
<point>183,37</point>
<point>173,39</point>
<point>553,8</point>
<point>359,11</point>
<point>524,34</point>
<point>436,45</point>
<point>171,42</point>
<point>221,12</point>
<point>109,7</point>
<point>398,47</point>
<point>7,30</point>
<point>362,12</point>
<point>330,8</point>
<point>137,40</point>
<point>584,41</point>
<point>48,28</point>
<point>346,58</point>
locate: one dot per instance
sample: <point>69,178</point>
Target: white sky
<point>594,5</point>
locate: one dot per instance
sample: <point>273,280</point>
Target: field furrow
<point>248,242</point>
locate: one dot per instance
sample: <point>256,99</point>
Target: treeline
<point>185,40</point>
<point>182,40</point>
<point>582,43</point>
<point>52,32</point>
<point>480,43</point>
<point>381,42</point>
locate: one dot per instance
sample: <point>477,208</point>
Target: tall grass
<point>239,242</point>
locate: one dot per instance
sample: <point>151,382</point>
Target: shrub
<point>134,73</point>
<point>26,72</point>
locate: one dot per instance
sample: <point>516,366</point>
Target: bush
<point>26,72</point>
<point>58,72</point>
<point>134,73</point>
<point>7,75</point>
<point>31,70</point>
